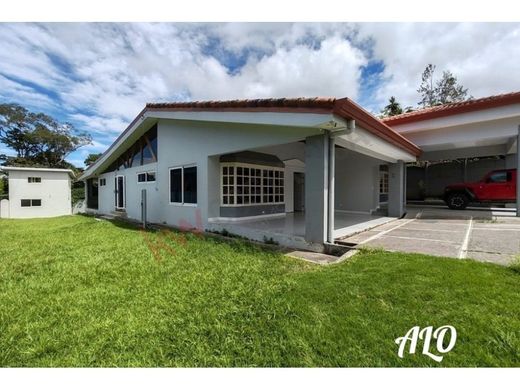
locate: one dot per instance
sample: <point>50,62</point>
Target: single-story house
<point>37,192</point>
<point>301,172</point>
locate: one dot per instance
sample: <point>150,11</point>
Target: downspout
<point>351,125</point>
<point>331,189</point>
<point>518,173</point>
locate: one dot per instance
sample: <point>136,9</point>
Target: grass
<point>75,291</point>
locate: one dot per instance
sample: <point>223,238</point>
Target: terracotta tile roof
<point>454,108</point>
<point>344,108</point>
<point>315,103</point>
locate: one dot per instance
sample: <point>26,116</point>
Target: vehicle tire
<point>457,201</point>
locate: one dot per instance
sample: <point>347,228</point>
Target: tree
<point>37,138</point>
<point>446,90</point>
<point>392,108</point>
<point>91,158</point>
<point>427,89</point>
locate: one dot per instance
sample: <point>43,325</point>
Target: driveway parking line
<point>380,234</point>
<point>432,230</point>
<point>423,239</point>
<point>464,247</point>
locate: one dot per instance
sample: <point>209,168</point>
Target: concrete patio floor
<point>484,235</point>
<point>289,230</point>
<point>293,224</point>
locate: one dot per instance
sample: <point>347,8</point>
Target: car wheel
<point>457,201</point>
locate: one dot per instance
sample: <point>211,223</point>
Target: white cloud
<point>482,55</point>
<point>103,74</point>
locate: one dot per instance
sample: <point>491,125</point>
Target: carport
<point>477,128</point>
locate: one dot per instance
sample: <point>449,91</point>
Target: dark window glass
<point>498,177</point>
<point>26,203</point>
<point>176,185</point>
<point>152,138</point>
<point>136,158</point>
<point>141,177</point>
<point>150,176</point>
<point>36,202</point>
<point>147,154</point>
<point>190,185</point>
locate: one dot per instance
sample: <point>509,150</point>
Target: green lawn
<point>75,291</point>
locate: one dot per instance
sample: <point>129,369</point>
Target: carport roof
<point>454,108</point>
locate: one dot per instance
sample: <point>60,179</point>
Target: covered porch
<point>326,187</point>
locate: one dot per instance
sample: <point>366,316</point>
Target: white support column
<point>331,177</point>
<point>518,173</point>
<point>316,188</point>
<point>396,190</point>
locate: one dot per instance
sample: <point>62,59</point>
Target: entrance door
<point>299,191</point>
<point>120,192</point>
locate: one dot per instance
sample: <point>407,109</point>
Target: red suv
<point>497,186</point>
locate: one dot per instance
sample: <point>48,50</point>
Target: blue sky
<point>99,76</point>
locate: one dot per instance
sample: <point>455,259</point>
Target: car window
<point>498,177</point>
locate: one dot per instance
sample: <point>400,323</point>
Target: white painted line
<point>423,239</point>
<point>497,229</point>
<point>378,235</point>
<point>464,247</point>
<point>433,230</point>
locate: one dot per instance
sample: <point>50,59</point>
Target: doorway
<point>120,193</point>
<point>299,191</point>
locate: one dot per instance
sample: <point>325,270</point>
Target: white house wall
<point>106,194</point>
<point>187,143</point>
<point>357,181</point>
<point>54,192</point>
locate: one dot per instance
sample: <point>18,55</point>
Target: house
<point>301,172</point>
<point>298,171</point>
<point>37,192</point>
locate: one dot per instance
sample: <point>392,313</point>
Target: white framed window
<point>183,185</point>
<point>102,182</point>
<point>143,177</point>
<point>31,202</point>
<point>34,179</point>
<point>383,184</point>
<point>250,185</point>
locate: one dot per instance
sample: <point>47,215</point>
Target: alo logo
<point>426,334</point>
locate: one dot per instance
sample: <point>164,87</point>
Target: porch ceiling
<point>361,141</point>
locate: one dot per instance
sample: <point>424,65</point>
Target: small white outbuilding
<point>37,192</point>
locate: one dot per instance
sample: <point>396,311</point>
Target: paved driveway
<point>491,236</point>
